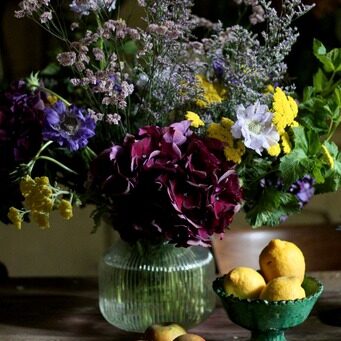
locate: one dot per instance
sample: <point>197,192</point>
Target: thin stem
<point>90,152</point>
<point>57,163</point>
<point>51,92</point>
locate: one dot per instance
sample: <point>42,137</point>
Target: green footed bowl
<point>266,320</point>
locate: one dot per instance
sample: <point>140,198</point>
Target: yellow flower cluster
<point>40,199</point>
<point>328,157</point>
<point>15,216</point>
<point>65,209</point>
<point>213,93</point>
<point>285,111</point>
<point>195,119</point>
<point>233,149</point>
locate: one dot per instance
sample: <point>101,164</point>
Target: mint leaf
<point>320,81</point>
<point>328,60</point>
<point>318,48</point>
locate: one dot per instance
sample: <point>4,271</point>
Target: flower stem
<point>51,92</point>
<point>57,163</point>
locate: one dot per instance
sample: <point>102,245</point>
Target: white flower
<point>254,124</point>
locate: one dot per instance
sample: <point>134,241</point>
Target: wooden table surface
<point>66,309</point>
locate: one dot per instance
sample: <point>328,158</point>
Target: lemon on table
<point>282,289</point>
<point>282,258</point>
<point>244,282</point>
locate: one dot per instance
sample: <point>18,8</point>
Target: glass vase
<point>141,284</point>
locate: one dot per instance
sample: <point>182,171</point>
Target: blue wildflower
<point>68,126</point>
<point>303,189</point>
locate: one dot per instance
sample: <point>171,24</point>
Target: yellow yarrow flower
<point>195,119</point>
<point>40,199</point>
<point>15,216</point>
<point>26,185</point>
<point>284,146</point>
<point>285,141</point>
<point>274,150</point>
<point>42,219</point>
<point>233,150</point>
<point>328,157</point>
<point>269,89</point>
<point>220,132</point>
<point>212,93</point>
<point>65,209</point>
<point>41,181</point>
<point>285,110</point>
<point>235,154</point>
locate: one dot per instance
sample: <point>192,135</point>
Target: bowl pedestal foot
<point>268,335</point>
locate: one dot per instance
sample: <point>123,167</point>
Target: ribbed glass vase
<point>143,284</point>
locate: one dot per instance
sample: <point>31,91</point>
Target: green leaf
<point>332,175</point>
<point>317,173</point>
<point>320,53</point>
<point>335,57</point>
<point>331,60</point>
<point>314,143</point>
<point>308,93</point>
<point>320,81</point>
<point>337,96</point>
<point>318,48</point>
<point>271,208</point>
<point>254,170</point>
<point>300,138</point>
<point>51,70</point>
<point>294,166</point>
<point>315,114</point>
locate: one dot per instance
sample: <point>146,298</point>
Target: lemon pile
<point>282,270</point>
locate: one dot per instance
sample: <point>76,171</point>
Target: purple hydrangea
<point>179,186</point>
<point>71,127</point>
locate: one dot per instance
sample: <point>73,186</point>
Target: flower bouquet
<point>171,126</point>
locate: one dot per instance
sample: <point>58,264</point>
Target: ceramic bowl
<point>267,320</point>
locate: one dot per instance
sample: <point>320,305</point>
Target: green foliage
<point>272,206</point>
<point>331,60</point>
<point>313,152</point>
<point>303,159</point>
<point>320,117</point>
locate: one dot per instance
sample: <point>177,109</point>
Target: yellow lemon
<point>244,282</point>
<point>282,258</point>
<point>282,289</point>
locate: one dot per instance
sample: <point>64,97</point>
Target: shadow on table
<point>65,315</point>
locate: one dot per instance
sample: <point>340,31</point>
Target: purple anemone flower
<point>69,127</point>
